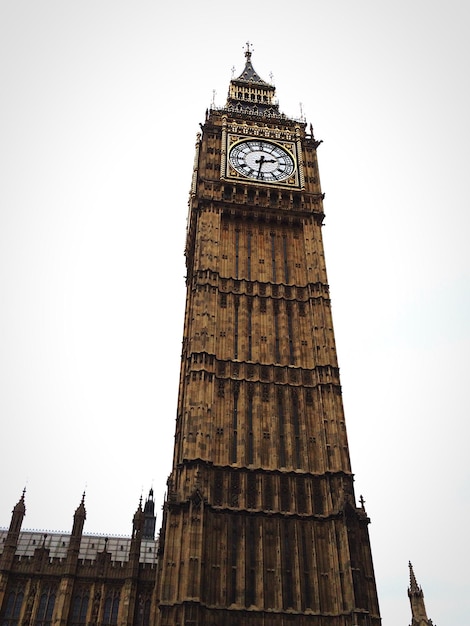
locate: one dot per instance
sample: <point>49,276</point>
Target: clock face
<point>261,160</point>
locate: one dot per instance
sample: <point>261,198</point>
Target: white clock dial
<point>261,160</point>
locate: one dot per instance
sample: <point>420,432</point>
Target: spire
<point>414,589</point>
<point>137,520</point>
<point>18,513</point>
<point>149,517</point>
<point>79,518</point>
<point>249,74</point>
<point>416,596</point>
<point>11,541</point>
<point>249,93</point>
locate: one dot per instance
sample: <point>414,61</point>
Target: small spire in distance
<point>20,506</point>
<point>414,587</point>
<point>81,507</point>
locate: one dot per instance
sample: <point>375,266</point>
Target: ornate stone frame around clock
<point>287,138</point>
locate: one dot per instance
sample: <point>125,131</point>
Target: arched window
<point>79,608</point>
<point>11,613</point>
<point>142,616</point>
<point>46,607</point>
<point>111,607</point>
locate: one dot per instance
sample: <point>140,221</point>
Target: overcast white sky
<point>99,109</point>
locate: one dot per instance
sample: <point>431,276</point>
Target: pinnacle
<point>414,587</point>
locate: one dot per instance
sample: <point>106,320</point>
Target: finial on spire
<point>249,50</point>
<point>19,509</point>
<point>362,501</point>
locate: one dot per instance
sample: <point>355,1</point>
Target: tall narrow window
<point>142,616</point>
<point>250,576</point>
<point>291,332</point>
<point>307,595</point>
<point>277,351</point>
<point>250,338</point>
<point>234,560</point>
<point>282,440</point>
<point>268,492</point>
<point>287,574</point>
<point>234,489</point>
<point>250,424</point>
<point>111,607</point>
<point>273,255</point>
<point>295,421</point>
<point>286,264</point>
<point>236,389</point>
<point>237,251</point>
<point>218,488</point>
<point>285,495</point>
<point>252,491</point>
<point>11,612</point>
<point>235,328</point>
<point>46,607</point>
<point>80,601</point>
<point>248,259</point>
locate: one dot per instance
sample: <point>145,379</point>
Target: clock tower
<point>261,525</point>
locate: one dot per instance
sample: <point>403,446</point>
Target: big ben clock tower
<point>261,525</point>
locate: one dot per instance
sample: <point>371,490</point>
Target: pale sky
<point>100,105</point>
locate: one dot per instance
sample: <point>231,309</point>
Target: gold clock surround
<point>284,172</point>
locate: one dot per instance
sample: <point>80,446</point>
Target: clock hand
<point>260,161</point>
<point>263,160</point>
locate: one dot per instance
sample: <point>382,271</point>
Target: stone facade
<point>261,525</point>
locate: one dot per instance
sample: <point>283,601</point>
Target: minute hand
<point>262,160</point>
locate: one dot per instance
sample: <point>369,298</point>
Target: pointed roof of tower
<point>20,506</point>
<point>249,75</point>
<point>149,505</point>
<point>150,518</point>
<point>80,510</point>
<point>17,515</point>
<point>416,596</point>
<point>139,512</point>
<point>249,93</point>
<point>414,588</point>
